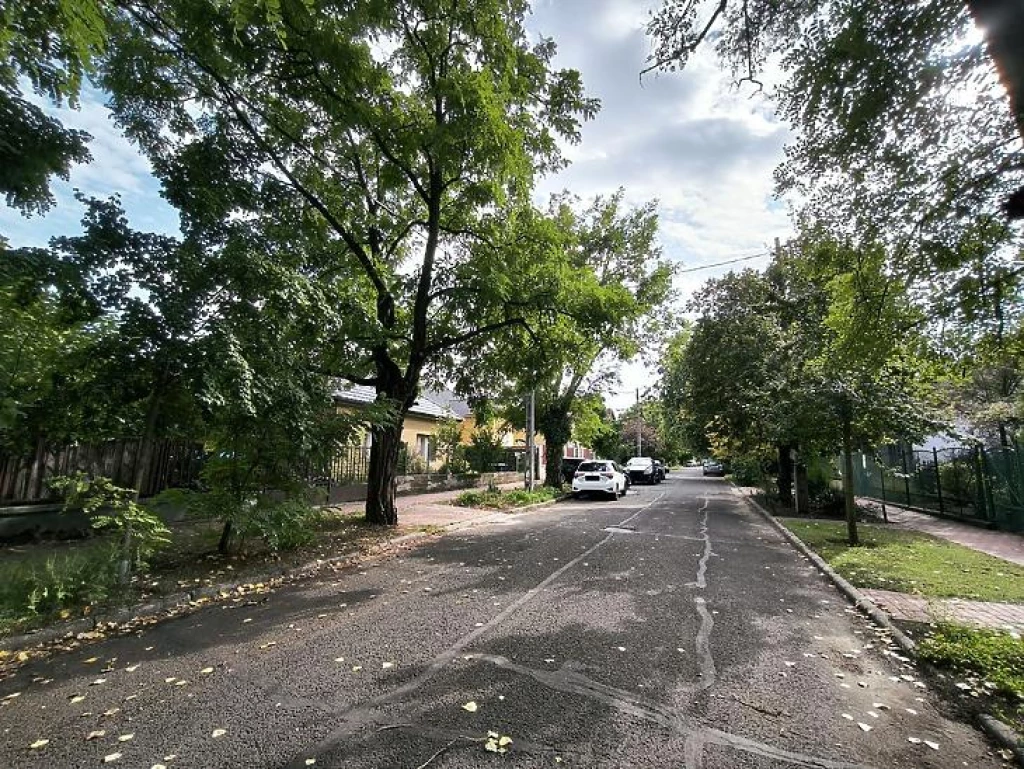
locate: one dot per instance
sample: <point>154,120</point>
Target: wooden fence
<point>175,464</point>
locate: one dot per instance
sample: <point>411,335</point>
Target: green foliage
<point>990,655</point>
<point>448,438</point>
<point>485,449</point>
<point>138,531</point>
<point>51,45</point>
<point>31,588</point>
<point>506,500</point>
<point>910,562</point>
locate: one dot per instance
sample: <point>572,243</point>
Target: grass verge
<point>989,663</point>
<point>911,562</point>
<point>506,500</point>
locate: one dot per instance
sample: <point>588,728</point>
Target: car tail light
<point>607,475</point>
<point>579,473</point>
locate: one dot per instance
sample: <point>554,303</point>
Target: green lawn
<point>911,562</point>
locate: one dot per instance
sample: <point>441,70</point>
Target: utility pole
<point>639,426</point>
<point>530,448</point>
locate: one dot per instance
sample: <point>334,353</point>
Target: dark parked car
<point>660,470</point>
<point>714,467</point>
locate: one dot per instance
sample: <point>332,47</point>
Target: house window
<point>423,446</point>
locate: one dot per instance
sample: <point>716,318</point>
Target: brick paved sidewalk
<point>1001,544</point>
<point>1004,616</point>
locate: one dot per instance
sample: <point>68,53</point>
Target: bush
<point>748,470</point>
<point>504,500</point>
<point>282,524</point>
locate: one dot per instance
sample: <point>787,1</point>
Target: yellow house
<point>420,425</point>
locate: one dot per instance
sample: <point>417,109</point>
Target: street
<point>671,628</point>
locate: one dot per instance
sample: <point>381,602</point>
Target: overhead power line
<point>728,261</point>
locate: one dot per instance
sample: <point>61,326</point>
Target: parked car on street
<point>714,467</point>
<point>641,470</point>
<point>569,466</point>
<point>601,476</point>
<point>660,469</point>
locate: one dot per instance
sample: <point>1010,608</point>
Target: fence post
<point>881,475</point>
<point>938,478</point>
<point>979,472</point>
<point>986,475</point>
<point>906,474</point>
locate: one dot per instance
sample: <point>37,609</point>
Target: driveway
<point>671,628</point>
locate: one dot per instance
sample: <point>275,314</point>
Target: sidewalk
<point>1001,544</point>
<point>1003,616</point>
<point>434,509</point>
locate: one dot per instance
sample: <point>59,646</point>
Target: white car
<point>600,475</point>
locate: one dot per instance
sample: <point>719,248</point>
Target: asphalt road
<point>671,628</point>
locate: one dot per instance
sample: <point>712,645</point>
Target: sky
<point>690,140</point>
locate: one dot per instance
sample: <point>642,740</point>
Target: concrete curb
<point>1004,735</point>
<point>996,729</point>
<point>185,599</point>
<point>859,600</point>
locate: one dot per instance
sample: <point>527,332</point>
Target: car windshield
<point>639,462</point>
<point>591,467</point>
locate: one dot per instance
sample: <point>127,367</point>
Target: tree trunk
<point>144,455</point>
<point>553,464</point>
<point>225,538</point>
<point>803,492</point>
<point>381,483</point>
<point>785,476</point>
<point>1003,24</point>
<point>851,509</point>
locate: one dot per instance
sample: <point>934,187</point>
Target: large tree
<point>403,139</point>
<point>621,284</point>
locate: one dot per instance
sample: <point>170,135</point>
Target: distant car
<point>601,476</point>
<point>713,467</point>
<point>641,470</point>
<point>660,470</point>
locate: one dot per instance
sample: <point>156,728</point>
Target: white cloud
<point>703,148</point>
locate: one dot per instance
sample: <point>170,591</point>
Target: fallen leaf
<point>879,706</point>
<point>97,734</point>
<point>932,745</point>
<point>111,757</point>
<point>98,681</point>
<point>864,727</point>
<point>158,766</point>
<point>847,716</point>
<point>206,671</point>
<point>126,737</point>
<point>112,711</point>
<point>180,683</point>
<point>386,665</point>
<point>219,733</point>
<point>132,668</point>
<point>90,660</point>
<point>310,761</point>
<point>39,744</point>
<point>356,668</point>
<point>914,740</point>
<point>339,659</point>
<point>470,707</point>
<point>12,696</point>
<point>170,680</point>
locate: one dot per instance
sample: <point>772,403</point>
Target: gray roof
<point>450,400</point>
<point>347,392</point>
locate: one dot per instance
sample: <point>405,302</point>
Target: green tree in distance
<point>620,283</point>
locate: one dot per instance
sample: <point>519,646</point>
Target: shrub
<point>140,532</point>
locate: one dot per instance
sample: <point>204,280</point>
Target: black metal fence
<point>974,482</point>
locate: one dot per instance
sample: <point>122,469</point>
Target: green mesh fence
<point>984,484</point>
